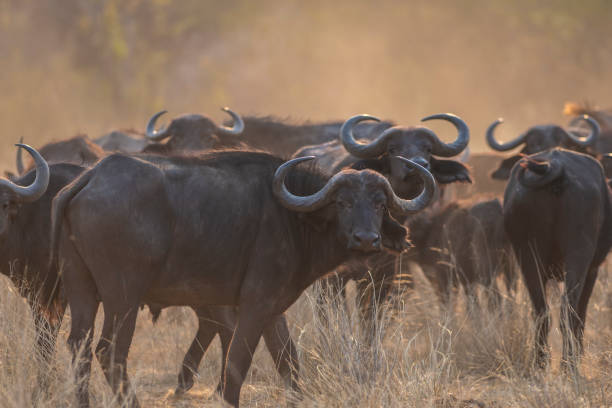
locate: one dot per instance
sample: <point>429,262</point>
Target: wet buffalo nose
<point>366,241</point>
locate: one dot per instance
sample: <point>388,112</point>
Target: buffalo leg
<point>112,350</point>
<point>536,286</point>
<point>81,293</point>
<point>571,319</point>
<point>584,299</point>
<point>207,329</point>
<point>283,351</point>
<point>240,354</point>
<point>226,321</point>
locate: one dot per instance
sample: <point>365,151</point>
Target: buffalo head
<point>361,202</point>
<point>537,139</point>
<point>417,144</point>
<point>193,132</point>
<point>12,195</point>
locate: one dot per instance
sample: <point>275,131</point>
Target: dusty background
<point>73,66</point>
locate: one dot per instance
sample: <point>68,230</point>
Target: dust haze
<point>73,67</point>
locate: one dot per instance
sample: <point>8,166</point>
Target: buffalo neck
<point>322,252</point>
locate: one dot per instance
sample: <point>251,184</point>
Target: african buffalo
<point>448,259</point>
<point>218,229</point>
<point>418,144</point>
<point>125,140</point>
<point>24,230</point>
<point>77,150</point>
<point>537,139</point>
<point>557,215</point>
<point>192,132</point>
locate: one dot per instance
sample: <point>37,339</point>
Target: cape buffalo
<point>449,259</point>
<point>558,218</point>
<point>76,150</point>
<point>218,229</point>
<point>126,141</point>
<point>418,144</point>
<point>537,139</point>
<point>192,132</point>
<point>24,230</point>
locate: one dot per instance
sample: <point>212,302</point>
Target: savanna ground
<point>420,356</point>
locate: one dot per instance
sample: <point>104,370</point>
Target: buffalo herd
<point>237,220</point>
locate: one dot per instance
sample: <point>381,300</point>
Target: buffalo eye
<point>6,205</point>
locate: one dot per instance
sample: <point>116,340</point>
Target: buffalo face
<point>417,144</point>
<point>537,139</point>
<point>12,194</point>
<point>193,132</point>
<point>360,205</point>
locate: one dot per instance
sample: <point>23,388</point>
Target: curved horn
<point>430,186</point>
<point>19,159</point>
<point>35,190</point>
<point>302,203</point>
<point>238,124</point>
<point>591,138</point>
<point>495,145</point>
<point>548,171</point>
<point>454,148</point>
<point>156,135</point>
<point>364,150</point>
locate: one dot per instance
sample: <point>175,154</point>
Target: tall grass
<point>419,355</point>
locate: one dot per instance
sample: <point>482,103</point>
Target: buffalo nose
<point>366,241</point>
<point>421,161</point>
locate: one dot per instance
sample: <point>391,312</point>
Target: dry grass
<point>419,356</point>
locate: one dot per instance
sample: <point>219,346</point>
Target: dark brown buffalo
<point>602,148</point>
<point>24,230</point>
<point>192,132</point>
<point>125,141</point>
<point>79,150</point>
<point>557,215</point>
<point>463,243</point>
<point>420,145</point>
<point>537,139</point>
<point>220,229</point>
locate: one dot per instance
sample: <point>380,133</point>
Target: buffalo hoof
<point>183,387</point>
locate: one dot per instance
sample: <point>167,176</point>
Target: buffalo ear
<point>503,171</point>
<point>394,235</point>
<point>10,175</point>
<point>449,171</point>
